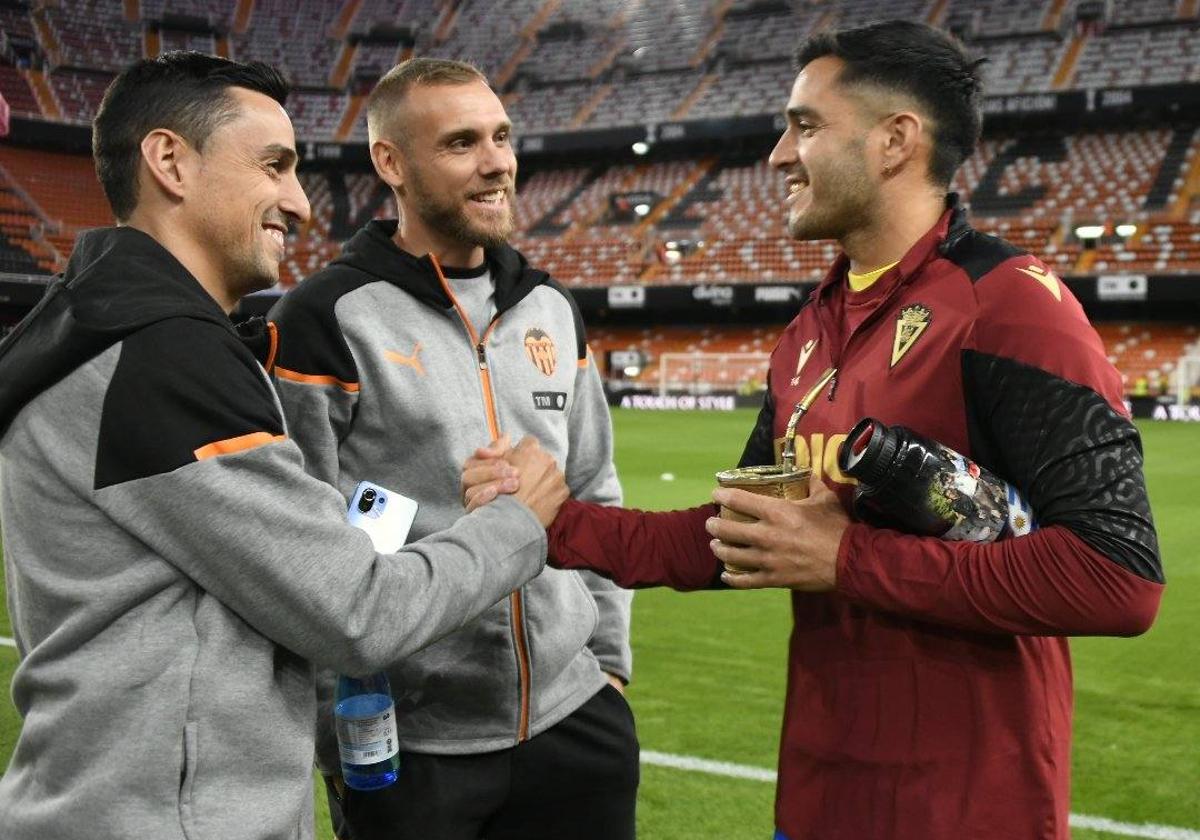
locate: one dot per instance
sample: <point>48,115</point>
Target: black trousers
<point>575,781</point>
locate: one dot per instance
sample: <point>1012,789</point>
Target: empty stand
<point>295,36</point>
<point>1146,56</point>
<point>1148,352</point>
<point>487,33</point>
<point>1021,66</point>
<point>17,92</point>
<point>316,115</point>
<point>94,34</point>
<point>996,18</point>
<point>650,26</point>
<point>746,90</point>
<point>171,40</point>
<point>549,109</point>
<point>217,13</point>
<point>79,93</point>
<point>757,36</point>
<point>413,14</point>
<point>647,98</point>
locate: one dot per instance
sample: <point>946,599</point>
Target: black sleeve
<point>760,446</point>
<point>1076,459</point>
<point>179,386</point>
<point>310,340</point>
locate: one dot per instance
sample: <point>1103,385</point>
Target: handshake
<point>526,471</point>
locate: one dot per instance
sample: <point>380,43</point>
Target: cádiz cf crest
<point>540,349</point>
<point>913,321</point>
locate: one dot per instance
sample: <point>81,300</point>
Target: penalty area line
<point>760,774</point>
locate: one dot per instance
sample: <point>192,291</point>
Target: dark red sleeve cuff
<point>1047,583</point>
<point>636,548</point>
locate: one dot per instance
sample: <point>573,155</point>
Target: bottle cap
<point>867,452</point>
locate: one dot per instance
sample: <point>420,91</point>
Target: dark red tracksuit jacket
<point>929,696</point>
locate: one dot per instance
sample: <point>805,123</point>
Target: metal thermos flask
<point>917,485</point>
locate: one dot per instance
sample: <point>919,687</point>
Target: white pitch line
<point>1155,832</point>
<point>703,765</point>
<point>7,642</point>
<point>761,774</point>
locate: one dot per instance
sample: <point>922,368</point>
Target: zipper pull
<point>482,356</point>
<point>833,387</point>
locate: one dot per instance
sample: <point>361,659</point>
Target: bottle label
<point>368,739</point>
<point>982,507</point>
<point>1020,517</point>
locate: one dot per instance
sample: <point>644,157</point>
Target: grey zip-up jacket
<point>174,574</point>
<point>383,379</point>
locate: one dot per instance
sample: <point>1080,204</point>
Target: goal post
<point>705,373</point>
<point>1187,379</point>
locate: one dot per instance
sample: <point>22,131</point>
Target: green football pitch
<point>710,666</point>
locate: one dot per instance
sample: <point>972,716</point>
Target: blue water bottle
<point>365,718</point>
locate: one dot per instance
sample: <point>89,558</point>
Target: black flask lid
<point>868,451</point>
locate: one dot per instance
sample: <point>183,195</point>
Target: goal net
<point>706,373</point>
<point>1187,379</point>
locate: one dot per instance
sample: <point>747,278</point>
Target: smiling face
<point>457,168</point>
<point>822,153</point>
<point>248,194</point>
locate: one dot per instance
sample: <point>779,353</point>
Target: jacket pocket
<point>187,777</point>
<point>590,600</point>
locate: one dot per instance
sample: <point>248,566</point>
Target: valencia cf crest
<point>913,321</point>
<point>540,349</point>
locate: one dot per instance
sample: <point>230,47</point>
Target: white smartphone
<point>384,515</point>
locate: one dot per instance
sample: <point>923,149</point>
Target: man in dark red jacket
<point>929,682</point>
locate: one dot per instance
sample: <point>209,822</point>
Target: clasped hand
<point>525,470</point>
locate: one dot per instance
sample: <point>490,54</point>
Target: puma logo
<point>409,361</point>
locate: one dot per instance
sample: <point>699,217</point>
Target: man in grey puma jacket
<point>174,576</point>
<point>394,368</point>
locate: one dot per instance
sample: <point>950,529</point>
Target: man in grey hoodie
<point>174,575</point>
<point>428,336</point>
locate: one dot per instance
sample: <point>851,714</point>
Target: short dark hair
<point>919,61</point>
<point>390,90</point>
<point>184,91</point>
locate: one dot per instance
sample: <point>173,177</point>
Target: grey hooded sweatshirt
<point>385,377</point>
<point>175,576</point>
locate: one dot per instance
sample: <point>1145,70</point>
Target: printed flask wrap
<point>919,486</point>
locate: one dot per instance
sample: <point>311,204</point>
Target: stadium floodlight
<point>641,147</point>
<point>1089,231</point>
<point>1126,230</point>
<point>641,209</point>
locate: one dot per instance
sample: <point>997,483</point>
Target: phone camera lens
<point>366,501</point>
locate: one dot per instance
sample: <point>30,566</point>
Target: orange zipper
<point>517,611</point>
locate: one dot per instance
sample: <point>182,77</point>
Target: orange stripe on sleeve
<point>314,379</point>
<point>236,444</point>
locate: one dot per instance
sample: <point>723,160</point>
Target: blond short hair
<point>384,105</point>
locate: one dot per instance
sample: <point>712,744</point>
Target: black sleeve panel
<point>580,330</point>
<point>179,385</point>
<point>760,446</point>
<point>979,253</point>
<point>1078,462</point>
<point>310,340</point>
